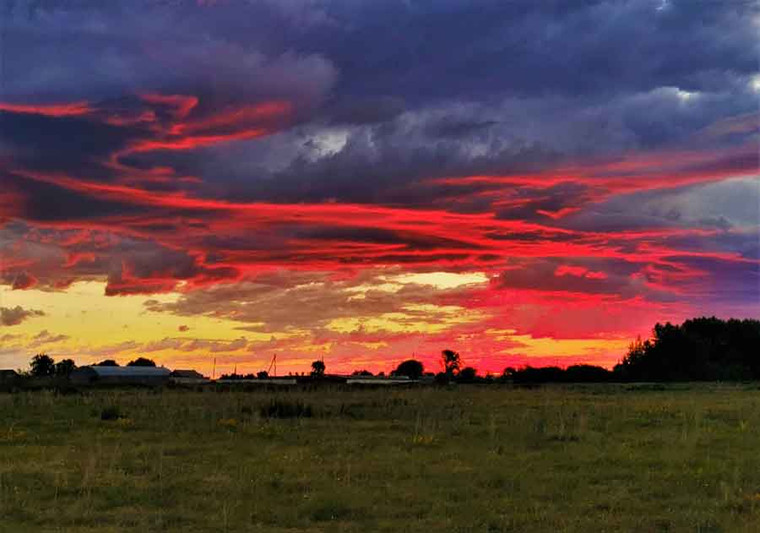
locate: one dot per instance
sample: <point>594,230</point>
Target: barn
<point>147,376</point>
<point>188,377</point>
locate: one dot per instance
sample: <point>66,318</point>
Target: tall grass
<point>561,458</point>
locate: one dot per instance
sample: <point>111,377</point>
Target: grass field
<point>556,458</point>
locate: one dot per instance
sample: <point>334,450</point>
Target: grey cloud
<point>44,337</point>
<point>13,316</point>
<point>280,302</point>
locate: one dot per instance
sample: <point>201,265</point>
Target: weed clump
<point>331,509</point>
<point>286,409</point>
<point>111,412</point>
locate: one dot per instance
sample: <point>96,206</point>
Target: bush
<point>286,409</point>
<point>467,375</point>
<point>328,509</point>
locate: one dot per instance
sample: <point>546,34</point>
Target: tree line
<point>42,365</point>
<point>700,349</point>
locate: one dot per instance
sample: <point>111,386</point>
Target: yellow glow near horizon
<point>551,347</point>
<point>90,319</point>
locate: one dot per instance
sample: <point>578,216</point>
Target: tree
<point>318,369</point>
<point>142,361</point>
<point>365,373</point>
<point>42,365</point>
<point>107,362</point>
<point>411,368</point>
<point>451,362</point>
<point>65,367</point>
<point>262,375</point>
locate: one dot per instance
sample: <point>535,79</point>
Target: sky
<point>209,183</point>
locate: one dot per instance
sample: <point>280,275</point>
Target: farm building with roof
<point>188,377</point>
<point>120,375</point>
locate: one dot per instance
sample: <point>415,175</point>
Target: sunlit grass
<point>605,457</point>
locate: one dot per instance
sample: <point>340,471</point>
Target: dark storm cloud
<point>59,143</point>
<point>92,50</point>
<point>566,47</point>
<point>171,103</point>
<point>413,89</point>
<point>409,48</point>
<point>357,111</point>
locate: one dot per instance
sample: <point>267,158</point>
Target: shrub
<point>286,409</point>
<point>467,375</point>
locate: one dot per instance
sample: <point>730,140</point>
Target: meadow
<point>603,457</point>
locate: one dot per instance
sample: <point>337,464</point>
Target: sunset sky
<point>525,182</point>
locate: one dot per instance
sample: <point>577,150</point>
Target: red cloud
<point>578,271</point>
<point>49,110</point>
<point>180,105</point>
<point>23,280</point>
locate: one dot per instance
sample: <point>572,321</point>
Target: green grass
<point>556,458</point>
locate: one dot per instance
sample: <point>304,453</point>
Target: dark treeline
<point>701,349</point>
<point>555,374</point>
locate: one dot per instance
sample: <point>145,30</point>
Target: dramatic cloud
<point>366,180</point>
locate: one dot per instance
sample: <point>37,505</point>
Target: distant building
<point>120,375</point>
<point>8,378</point>
<point>188,377</point>
<point>379,381</point>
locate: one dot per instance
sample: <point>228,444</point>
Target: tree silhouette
<point>587,374</point>
<point>107,362</point>
<point>262,374</point>
<point>142,361</point>
<point>42,365</point>
<point>452,362</point>
<point>365,373</point>
<point>65,367</point>
<point>699,349</point>
<point>318,369</point>
<point>411,368</point>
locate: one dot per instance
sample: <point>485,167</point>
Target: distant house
<point>188,377</point>
<point>148,376</point>
<point>8,378</point>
